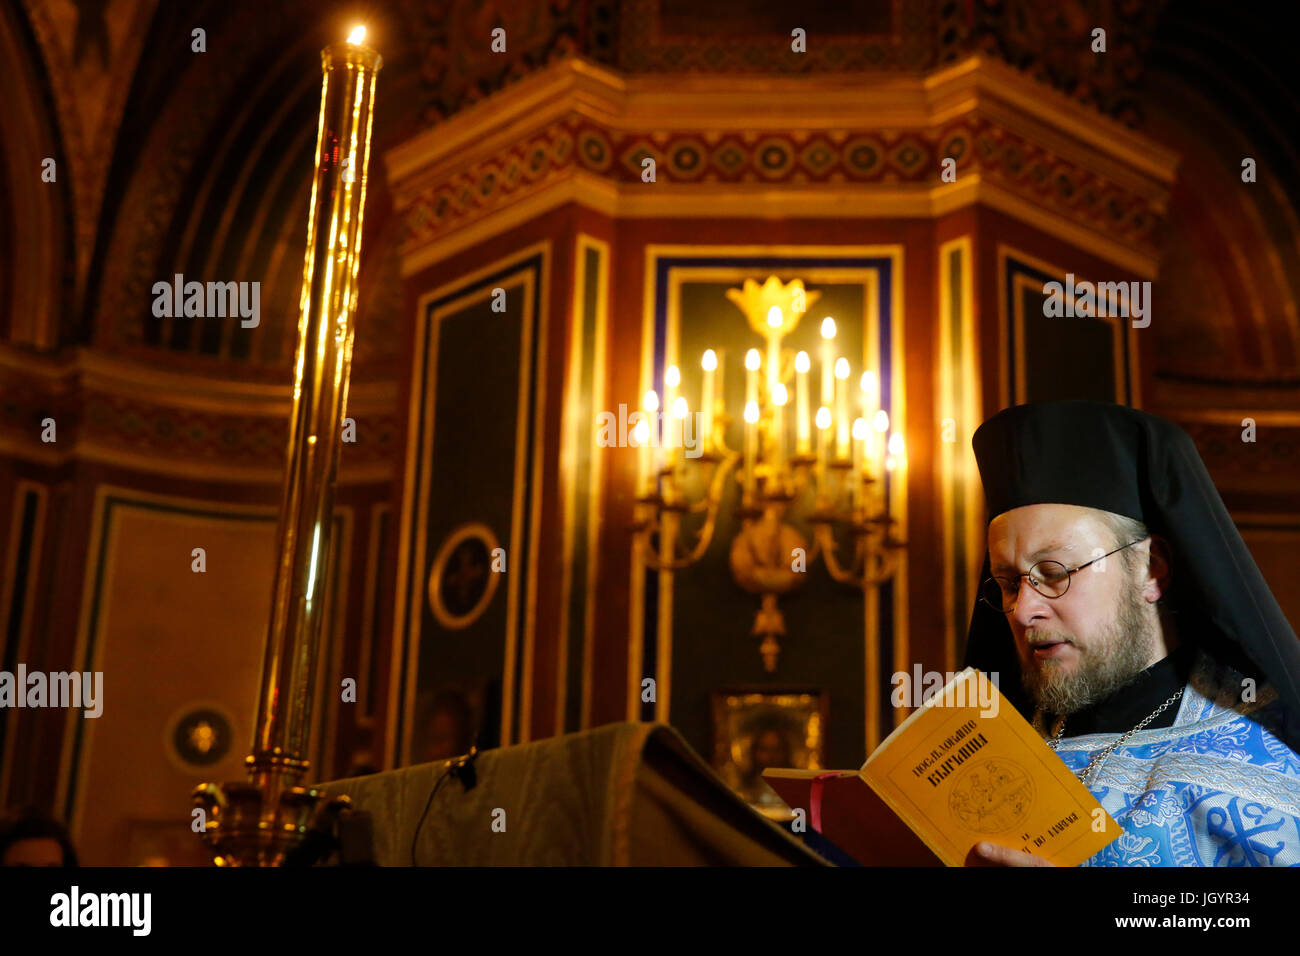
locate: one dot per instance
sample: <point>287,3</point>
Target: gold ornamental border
<point>473,529</point>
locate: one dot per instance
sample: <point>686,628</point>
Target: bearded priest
<point>1126,619</point>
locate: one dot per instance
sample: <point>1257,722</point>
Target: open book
<point>963,769</point>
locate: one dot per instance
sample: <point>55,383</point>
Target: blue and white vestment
<point>1218,788</point>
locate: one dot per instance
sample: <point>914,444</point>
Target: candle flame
<point>641,432</point>
<point>753,360</point>
<point>774,317</point>
<point>882,421</point>
<point>651,401</point>
<point>859,429</point>
<point>357,36</point>
<point>672,376</point>
<point>679,407</point>
<point>869,382</point>
<point>751,412</point>
<point>802,363</point>
<point>823,417</point>
<point>779,394</point>
<point>710,361</point>
<point>896,444</point>
<point>841,367</point>
<point>828,328</point>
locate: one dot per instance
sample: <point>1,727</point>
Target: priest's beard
<point>1107,661</point>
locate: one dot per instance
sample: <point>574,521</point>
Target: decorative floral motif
<point>774,157</point>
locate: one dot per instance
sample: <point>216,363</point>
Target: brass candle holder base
<point>241,831</point>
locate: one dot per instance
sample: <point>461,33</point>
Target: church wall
<point>607,675</point>
<point>169,643</point>
<point>113,591</point>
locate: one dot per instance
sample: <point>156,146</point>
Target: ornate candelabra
<point>838,483</point>
<point>260,822</point>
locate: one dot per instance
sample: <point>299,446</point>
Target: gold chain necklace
<point>1095,763</point>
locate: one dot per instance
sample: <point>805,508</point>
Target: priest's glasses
<point>1051,579</point>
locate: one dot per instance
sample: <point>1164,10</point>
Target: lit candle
<point>649,456</point>
<point>720,387</point>
<point>801,366</point>
<point>642,435</point>
<point>881,425</point>
<point>774,322</point>
<point>870,405</point>
<point>861,439</point>
<point>751,448</point>
<point>823,438</point>
<point>870,395</point>
<point>709,363</point>
<point>326,324</point>
<point>670,437</point>
<point>828,388</point>
<point>752,362</point>
<point>680,411</point>
<point>779,398</point>
<point>842,419</point>
<point>895,459</point>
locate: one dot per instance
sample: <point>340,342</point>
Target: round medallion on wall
<point>462,581</point>
<point>200,736</point>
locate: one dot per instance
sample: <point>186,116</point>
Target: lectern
<point>626,794</point>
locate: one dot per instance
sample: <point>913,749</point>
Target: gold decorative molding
<point>148,419</point>
<point>828,146</point>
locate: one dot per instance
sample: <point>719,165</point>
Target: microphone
<point>462,768</point>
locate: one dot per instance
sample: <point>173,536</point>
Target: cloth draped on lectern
<point>627,794</point>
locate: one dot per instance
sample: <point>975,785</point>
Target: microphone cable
<point>461,768</point>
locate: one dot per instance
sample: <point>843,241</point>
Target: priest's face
<point>1079,648</point>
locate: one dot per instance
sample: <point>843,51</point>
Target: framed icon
<point>759,728</point>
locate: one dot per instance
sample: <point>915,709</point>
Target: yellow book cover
<point>962,769</point>
<point>966,767</point>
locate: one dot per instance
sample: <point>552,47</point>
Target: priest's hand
<point>990,854</point>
